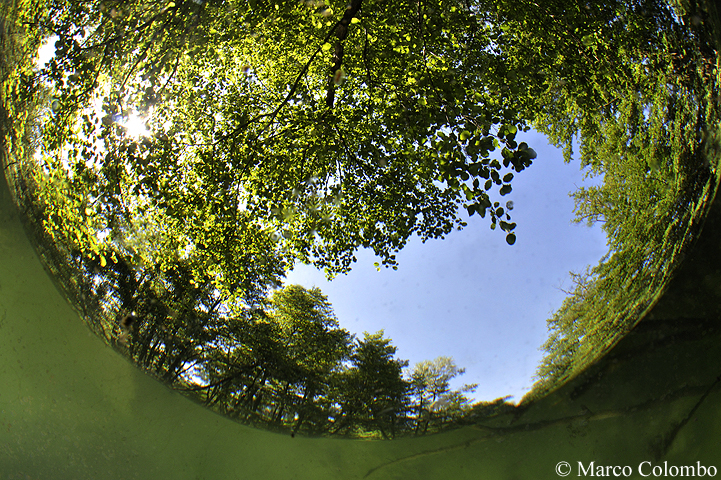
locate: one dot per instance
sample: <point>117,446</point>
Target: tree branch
<point>341,32</point>
<point>287,98</point>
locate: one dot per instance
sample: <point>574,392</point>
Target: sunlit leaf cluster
<point>332,127</point>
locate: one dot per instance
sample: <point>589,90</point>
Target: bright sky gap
<point>472,296</point>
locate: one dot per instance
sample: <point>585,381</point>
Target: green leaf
<point>511,238</point>
<point>507,226</point>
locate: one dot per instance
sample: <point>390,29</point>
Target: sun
<point>135,126</point>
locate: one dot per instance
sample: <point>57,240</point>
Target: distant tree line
<point>285,363</point>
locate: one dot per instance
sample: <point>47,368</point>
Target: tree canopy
<point>321,127</point>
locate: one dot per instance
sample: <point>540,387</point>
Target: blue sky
<point>472,296</point>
